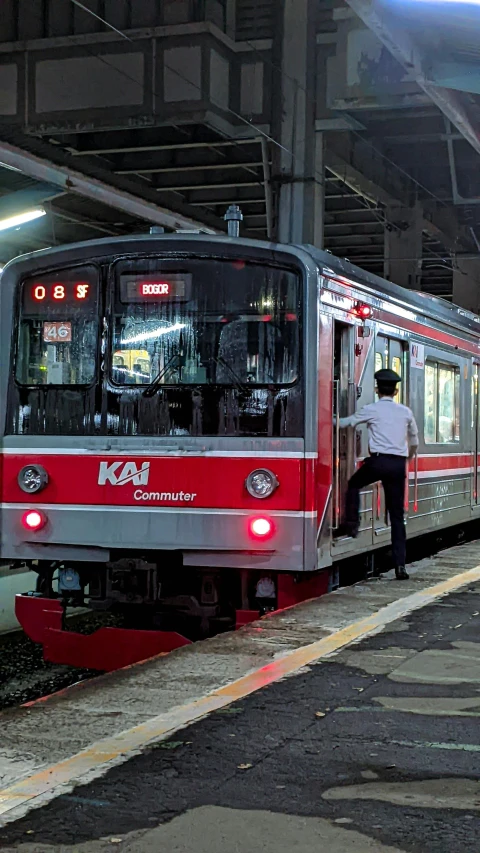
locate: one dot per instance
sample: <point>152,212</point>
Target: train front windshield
<point>197,323</point>
<point>58,330</point>
<point>164,346</point>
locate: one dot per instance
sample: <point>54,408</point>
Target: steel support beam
<point>466,283</point>
<point>181,146</point>
<point>75,182</point>
<point>389,30</point>
<point>439,222</point>
<point>357,182</point>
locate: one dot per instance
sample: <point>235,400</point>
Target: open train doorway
<point>343,405</point>
<point>392,354</point>
<point>475,445</point>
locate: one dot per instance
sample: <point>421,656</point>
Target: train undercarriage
<point>152,604</point>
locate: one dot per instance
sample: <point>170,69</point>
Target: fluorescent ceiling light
<point>12,168</point>
<point>21,218</point>
<point>456,2</point>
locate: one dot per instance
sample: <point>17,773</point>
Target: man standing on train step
<point>392,439</point>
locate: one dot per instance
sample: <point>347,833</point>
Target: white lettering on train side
<point>121,473</point>
<point>164,497</point>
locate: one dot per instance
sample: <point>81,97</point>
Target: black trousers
<point>391,471</point>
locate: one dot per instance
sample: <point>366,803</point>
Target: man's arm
<point>412,437</point>
<point>361,417</point>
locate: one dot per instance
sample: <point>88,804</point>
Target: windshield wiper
<point>150,390</point>
<point>220,361</point>
<point>178,358</point>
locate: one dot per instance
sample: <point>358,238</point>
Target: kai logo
<point>121,473</point>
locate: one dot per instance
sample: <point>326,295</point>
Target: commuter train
<point>168,445</point>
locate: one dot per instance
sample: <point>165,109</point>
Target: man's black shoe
<point>401,574</point>
<point>347,529</point>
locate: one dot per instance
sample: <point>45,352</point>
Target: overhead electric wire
<point>319,178</point>
<point>354,132</point>
<point>220,106</point>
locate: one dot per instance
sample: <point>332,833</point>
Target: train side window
<point>389,353</point>
<point>442,403</point>
<point>397,366</point>
<point>379,362</point>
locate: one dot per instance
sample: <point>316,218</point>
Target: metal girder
<point>209,202</point>
<point>249,166</point>
<point>75,182</point>
<point>397,40</point>
<point>437,222</point>
<point>354,179</point>
<point>181,146</point>
<point>210,187</point>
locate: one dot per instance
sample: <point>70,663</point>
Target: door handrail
<point>336,458</point>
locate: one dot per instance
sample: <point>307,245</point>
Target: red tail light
<point>34,519</point>
<point>261,528</point>
<point>362,310</point>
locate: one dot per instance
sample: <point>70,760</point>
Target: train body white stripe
<point>230,454</point>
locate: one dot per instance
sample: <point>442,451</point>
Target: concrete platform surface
<point>75,736</point>
<point>373,751</point>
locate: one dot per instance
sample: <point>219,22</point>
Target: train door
<point>389,353</point>
<point>343,405</point>
<point>475,433</point>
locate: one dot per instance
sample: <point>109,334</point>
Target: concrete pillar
<point>403,246</point>
<point>298,164</point>
<point>230,18</point>
<point>319,193</point>
<point>466,283</point>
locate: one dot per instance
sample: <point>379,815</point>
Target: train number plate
<point>57,333</point>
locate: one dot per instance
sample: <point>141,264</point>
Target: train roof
<point>425,303</point>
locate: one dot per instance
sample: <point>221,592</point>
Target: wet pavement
<point>374,750</point>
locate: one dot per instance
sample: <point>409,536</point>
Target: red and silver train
<point>168,449</point>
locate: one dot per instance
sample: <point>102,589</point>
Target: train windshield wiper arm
<point>149,391</point>
<point>220,362</point>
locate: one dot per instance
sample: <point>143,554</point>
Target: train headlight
<point>261,483</point>
<point>32,478</point>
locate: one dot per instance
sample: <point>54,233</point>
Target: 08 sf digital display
<point>66,290</point>
<point>174,287</point>
<point>60,292</point>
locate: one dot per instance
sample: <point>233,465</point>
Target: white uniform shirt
<point>391,426</point>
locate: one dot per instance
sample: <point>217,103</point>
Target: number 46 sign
<point>57,333</point>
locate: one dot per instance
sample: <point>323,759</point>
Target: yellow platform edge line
<point>95,760</point>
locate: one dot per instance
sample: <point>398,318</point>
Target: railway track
<point>25,676</point>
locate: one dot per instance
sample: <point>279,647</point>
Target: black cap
<point>387,376</point>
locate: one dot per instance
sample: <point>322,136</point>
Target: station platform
<point>349,723</point>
